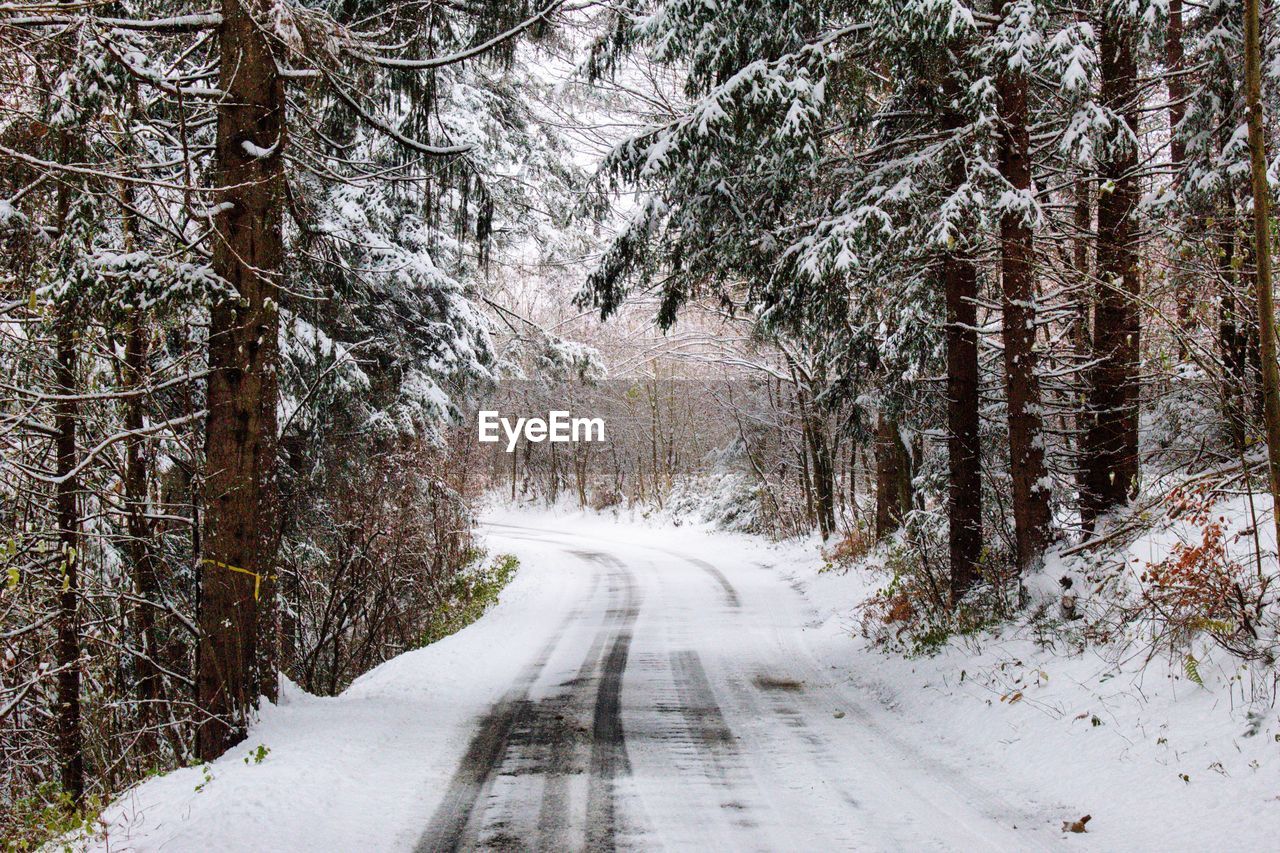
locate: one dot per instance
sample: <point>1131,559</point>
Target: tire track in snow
<point>608,757</point>
<point>452,817</point>
<point>787,758</point>
<point>521,739</point>
<point>731,597</point>
<point>712,734</point>
<point>608,740</point>
<point>698,704</point>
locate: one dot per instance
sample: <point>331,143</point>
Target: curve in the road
<point>731,735</point>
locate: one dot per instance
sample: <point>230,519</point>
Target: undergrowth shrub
<point>1204,587</point>
<point>468,595</point>
<point>913,612</point>
<point>849,550</point>
<point>36,821</point>
<point>368,557</point>
<point>604,499</point>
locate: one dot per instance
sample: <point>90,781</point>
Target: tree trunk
<point>824,478</point>
<point>1262,249</point>
<point>964,492</point>
<point>581,459</point>
<point>964,453</point>
<point>1175,85</point>
<point>148,687</point>
<point>145,569</point>
<point>653,439</point>
<point>66,414</point>
<point>554,489</point>
<point>853,479</point>
<point>802,454</point>
<point>70,751</point>
<point>515,466</point>
<point>1026,430</point>
<point>893,477</point>
<point>236,662</point>
<point>1183,295</point>
<point>1233,322</point>
<point>1082,216</point>
<point>1082,333</point>
<point>1111,439</point>
<point>817,456</point>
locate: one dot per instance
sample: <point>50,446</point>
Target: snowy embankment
<point>358,771</point>
<point>1159,762</point>
<point>995,738</point>
<point>1116,732</point>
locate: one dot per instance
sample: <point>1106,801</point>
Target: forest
<point>975,294</point>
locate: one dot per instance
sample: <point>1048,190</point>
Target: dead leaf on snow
<point>1076,825</point>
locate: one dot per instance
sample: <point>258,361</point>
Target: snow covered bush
<point>1203,586</point>
<point>850,550</point>
<point>913,613</point>
<point>727,499</point>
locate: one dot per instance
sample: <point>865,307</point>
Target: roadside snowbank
<point>359,771</point>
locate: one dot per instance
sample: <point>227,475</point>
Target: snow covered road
<point>676,706</point>
<point>628,693</point>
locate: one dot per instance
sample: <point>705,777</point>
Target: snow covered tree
<point>220,222</point>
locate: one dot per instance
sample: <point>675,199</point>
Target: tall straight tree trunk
<point>1176,86</point>
<point>146,583</point>
<point>818,456</point>
<point>555,474</point>
<point>1026,430</point>
<point>581,456</point>
<point>237,572</point>
<point>1184,298</point>
<point>1082,333</point>
<point>964,488</point>
<point>70,752</point>
<point>1233,322</point>
<point>145,568</point>
<point>823,476</point>
<point>1082,223</point>
<point>964,451</point>
<point>893,477</point>
<point>853,478</point>
<point>1237,318</point>
<point>66,414</point>
<point>1111,439</point>
<point>1262,249</point>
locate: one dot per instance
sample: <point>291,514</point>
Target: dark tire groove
<point>521,736</point>
<point>698,704</point>
<point>608,740</point>
<point>608,748</point>
<point>730,593</point>
<point>449,824</point>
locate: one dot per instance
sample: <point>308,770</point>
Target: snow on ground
<point>356,771</point>
<point>803,736</point>
<point>1086,736</point>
